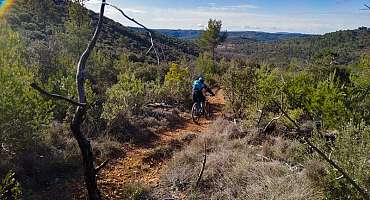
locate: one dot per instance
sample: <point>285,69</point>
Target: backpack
<point>197,85</point>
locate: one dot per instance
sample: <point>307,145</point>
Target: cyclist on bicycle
<point>198,87</point>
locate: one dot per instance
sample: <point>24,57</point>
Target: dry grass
<point>107,147</point>
<point>136,191</point>
<point>233,169</point>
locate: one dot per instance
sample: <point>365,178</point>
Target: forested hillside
<point>234,35</point>
<point>41,21</point>
<point>344,46</point>
<point>86,113</point>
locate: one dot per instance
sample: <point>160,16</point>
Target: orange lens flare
<point>5,6</point>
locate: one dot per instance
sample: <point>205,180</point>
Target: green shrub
<point>136,191</point>
<point>177,83</point>
<point>206,66</point>
<point>24,113</point>
<point>239,89</point>
<point>351,150</point>
<point>358,101</point>
<point>10,189</point>
<point>126,96</point>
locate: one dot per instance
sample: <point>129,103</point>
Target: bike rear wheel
<point>195,113</point>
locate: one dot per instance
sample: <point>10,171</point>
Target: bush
<point>107,147</point>
<point>10,188</point>
<point>136,191</point>
<point>234,171</point>
<point>322,99</point>
<point>206,66</point>
<point>126,96</point>
<point>24,113</point>
<point>239,89</point>
<point>351,150</point>
<point>177,83</point>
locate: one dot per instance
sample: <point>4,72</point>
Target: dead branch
<point>260,117</point>
<point>56,96</point>
<point>83,142</point>
<point>367,7</point>
<point>285,114</point>
<point>269,124</point>
<point>159,105</point>
<point>203,164</point>
<point>101,166</point>
<point>361,190</point>
<point>141,25</point>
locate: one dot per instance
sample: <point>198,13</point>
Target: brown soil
<point>135,168</point>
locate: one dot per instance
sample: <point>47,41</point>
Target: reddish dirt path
<point>133,169</point>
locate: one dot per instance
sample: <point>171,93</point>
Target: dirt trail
<point>134,168</point>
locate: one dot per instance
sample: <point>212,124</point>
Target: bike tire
<point>194,113</point>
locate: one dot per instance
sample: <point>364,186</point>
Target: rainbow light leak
<point>5,6</point>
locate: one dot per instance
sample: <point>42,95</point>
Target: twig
<point>159,105</point>
<point>269,124</point>
<point>264,157</point>
<point>286,114</point>
<point>362,191</point>
<point>101,166</point>
<point>141,25</point>
<point>203,165</point>
<point>56,96</point>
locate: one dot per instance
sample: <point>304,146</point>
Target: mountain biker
<point>198,87</point>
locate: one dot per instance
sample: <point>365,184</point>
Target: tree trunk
<point>90,172</point>
<point>87,155</point>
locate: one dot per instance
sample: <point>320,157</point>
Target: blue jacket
<point>197,85</point>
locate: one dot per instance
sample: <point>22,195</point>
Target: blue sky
<point>304,16</point>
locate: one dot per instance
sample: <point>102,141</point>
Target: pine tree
<point>78,27</point>
<point>212,36</point>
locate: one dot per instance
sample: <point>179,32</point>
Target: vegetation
<point>344,47</point>
<point>212,36</point>
<point>235,170</point>
<point>10,188</point>
<point>320,82</point>
<point>321,101</point>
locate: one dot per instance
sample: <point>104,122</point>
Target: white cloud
<point>238,17</point>
<point>243,6</point>
<point>214,7</point>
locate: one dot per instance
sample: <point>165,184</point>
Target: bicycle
<point>198,110</point>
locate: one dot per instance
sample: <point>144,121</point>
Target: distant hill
<point>346,45</point>
<point>115,37</point>
<point>234,35</point>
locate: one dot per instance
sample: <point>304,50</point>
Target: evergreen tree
<point>212,36</point>
<point>78,27</point>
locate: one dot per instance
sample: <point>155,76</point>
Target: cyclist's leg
<point>197,100</point>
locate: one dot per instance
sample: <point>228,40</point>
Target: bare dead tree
<point>90,171</point>
<point>361,190</point>
<point>203,165</point>
<point>367,7</point>
<point>150,32</point>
